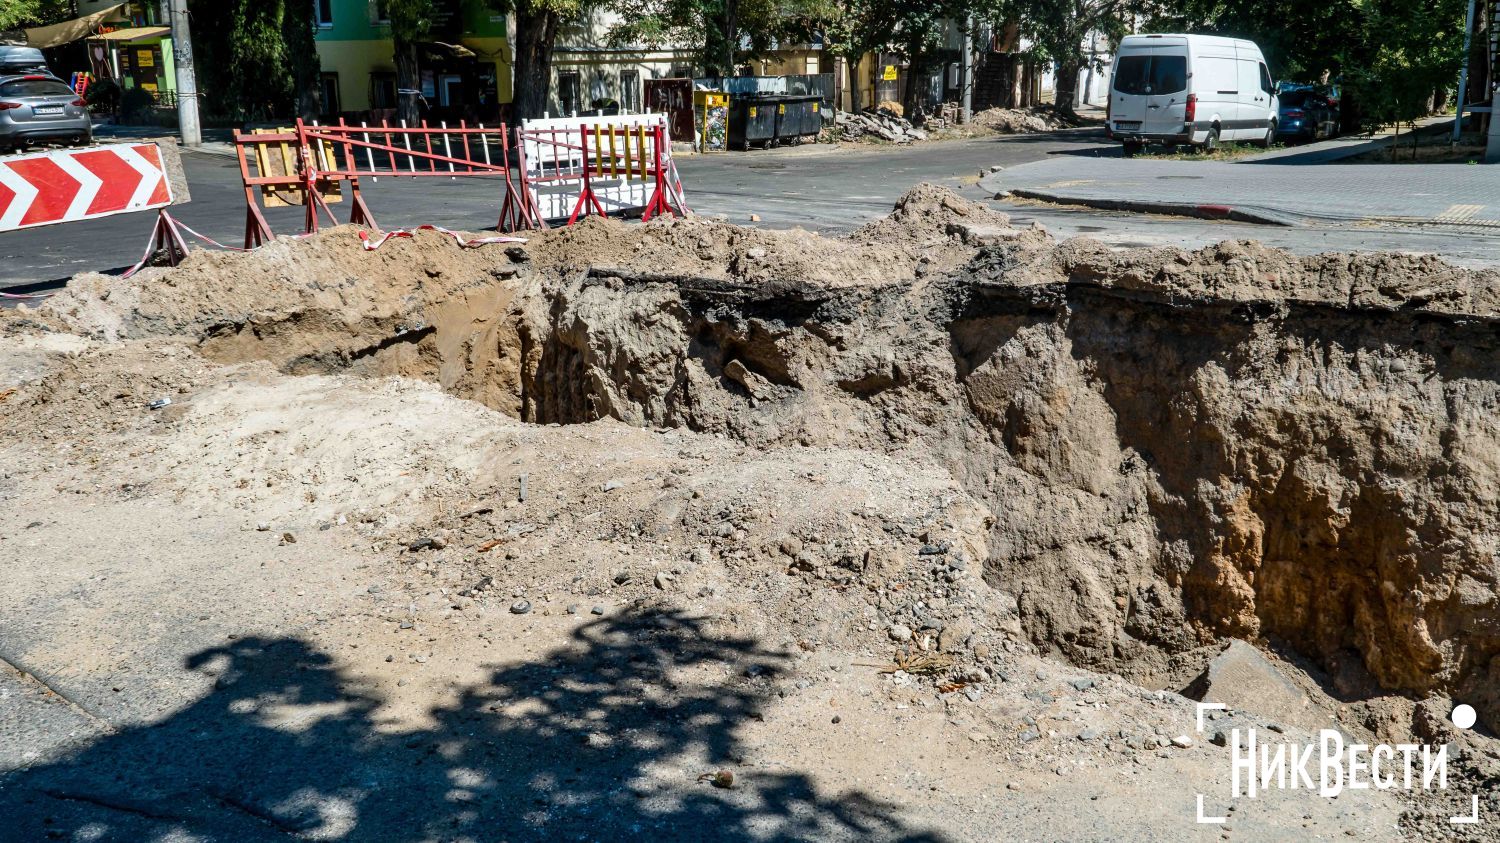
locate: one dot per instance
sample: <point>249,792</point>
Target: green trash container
<point>752,121</point>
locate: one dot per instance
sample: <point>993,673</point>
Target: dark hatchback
<point>1307,115</point>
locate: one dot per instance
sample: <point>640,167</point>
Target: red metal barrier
<point>328,156</point>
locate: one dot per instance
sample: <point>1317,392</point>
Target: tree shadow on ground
<point>600,739</point>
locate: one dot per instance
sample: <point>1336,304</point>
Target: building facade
<point>133,48</point>
<point>588,71</point>
<point>464,65</point>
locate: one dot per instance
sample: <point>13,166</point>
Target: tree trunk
<point>1067,84</point>
<point>722,39</point>
<point>915,101</point>
<point>852,66</point>
<point>408,82</point>
<point>536,31</point>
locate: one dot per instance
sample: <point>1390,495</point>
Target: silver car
<point>36,108</point>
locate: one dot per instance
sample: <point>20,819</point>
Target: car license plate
<point>1127,125</point>
<point>47,110</point>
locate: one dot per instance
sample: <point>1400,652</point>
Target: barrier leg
<point>658,203</point>
<point>587,201</point>
<point>359,212</point>
<point>165,238</point>
<point>257,230</point>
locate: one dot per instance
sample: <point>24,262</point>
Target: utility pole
<point>187,80</point>
<point>967,82</point>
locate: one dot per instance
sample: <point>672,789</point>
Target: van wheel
<point>1131,149</point>
<point>1211,143</point>
<point>1265,142</point>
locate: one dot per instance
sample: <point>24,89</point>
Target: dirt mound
<point>1167,446</point>
<point>1014,121</point>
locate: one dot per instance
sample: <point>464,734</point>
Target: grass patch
<point>1225,152</point>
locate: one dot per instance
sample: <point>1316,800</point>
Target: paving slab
<point>1449,196</point>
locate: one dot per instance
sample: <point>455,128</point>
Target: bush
<point>137,105</point>
<point>103,95</point>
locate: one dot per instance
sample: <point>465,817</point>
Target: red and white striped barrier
<point>79,184</point>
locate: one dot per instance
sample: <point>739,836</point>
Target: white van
<point>1190,89</point>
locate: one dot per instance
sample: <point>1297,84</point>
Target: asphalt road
<point>816,187</point>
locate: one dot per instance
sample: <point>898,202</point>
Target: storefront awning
<point>42,37</point>
<point>137,34</point>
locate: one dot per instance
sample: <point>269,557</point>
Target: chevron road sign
<point>79,184</point>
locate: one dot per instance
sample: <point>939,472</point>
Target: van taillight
<point>1192,108</point>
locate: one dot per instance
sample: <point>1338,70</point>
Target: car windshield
<point>35,88</point>
<point>1294,99</point>
<point>1151,74</point>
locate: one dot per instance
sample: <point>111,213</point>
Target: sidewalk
<point>1277,191</point>
<point>215,141</point>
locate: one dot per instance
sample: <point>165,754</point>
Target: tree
<point>1409,49</point>
<point>256,58</point>
<point>15,14</point>
<point>722,28</point>
<point>1060,29</point>
<point>411,23</point>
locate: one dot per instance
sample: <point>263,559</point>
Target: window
<point>329,87</point>
<point>630,91</point>
<point>682,71</point>
<point>1265,80</point>
<point>381,12</point>
<point>35,88</point>
<point>323,12</point>
<point>1150,74</point>
<point>568,91</point>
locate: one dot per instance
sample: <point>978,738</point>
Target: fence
<point>577,166</point>
<point>309,164</point>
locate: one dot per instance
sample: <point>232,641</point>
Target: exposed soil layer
<point>1163,447</point>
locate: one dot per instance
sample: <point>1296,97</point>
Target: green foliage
<point>1405,50</point>
<point>255,58</point>
<point>16,14</point>
<point>137,105</point>
<point>103,95</point>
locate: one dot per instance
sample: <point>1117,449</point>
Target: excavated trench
<point>1174,447</point>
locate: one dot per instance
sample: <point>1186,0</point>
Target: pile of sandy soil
<point>1015,121</point>
<point>855,519</point>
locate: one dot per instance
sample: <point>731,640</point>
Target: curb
<point>1177,209</point>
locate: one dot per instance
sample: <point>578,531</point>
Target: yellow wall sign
<point>144,58</point>
<point>890,73</point>
<point>752,111</point>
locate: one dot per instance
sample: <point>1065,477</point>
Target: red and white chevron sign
<point>79,184</point>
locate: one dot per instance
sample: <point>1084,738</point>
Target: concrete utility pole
<point>967,82</point>
<point>187,80</point>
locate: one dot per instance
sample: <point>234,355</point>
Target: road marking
<point>1458,213</point>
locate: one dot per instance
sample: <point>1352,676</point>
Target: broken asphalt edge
<point>1234,213</point>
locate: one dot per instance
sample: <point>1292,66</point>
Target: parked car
<point>1307,114</point>
<point>1198,90</point>
<point>36,108</point>
<point>15,61</point>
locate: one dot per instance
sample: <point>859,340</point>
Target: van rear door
<point>1127,96</point>
<point>1167,104</point>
